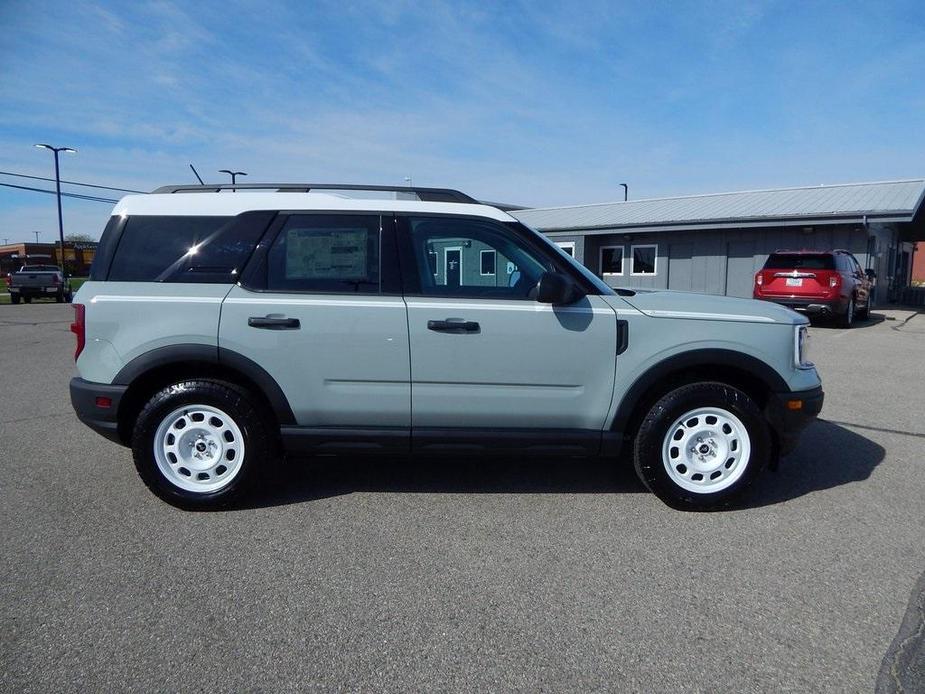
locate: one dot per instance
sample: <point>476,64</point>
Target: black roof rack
<point>423,194</point>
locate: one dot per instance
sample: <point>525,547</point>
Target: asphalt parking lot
<point>505,575</point>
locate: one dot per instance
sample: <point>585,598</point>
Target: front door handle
<point>274,323</point>
<point>453,325</point>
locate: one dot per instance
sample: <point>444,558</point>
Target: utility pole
<point>408,181</point>
<point>56,150</point>
<point>626,192</point>
<point>36,235</point>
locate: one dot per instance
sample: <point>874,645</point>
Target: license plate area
<point>794,281</point>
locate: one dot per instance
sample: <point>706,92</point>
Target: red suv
<point>827,284</point>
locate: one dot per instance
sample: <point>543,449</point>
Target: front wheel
<point>200,444</point>
<point>701,445</point>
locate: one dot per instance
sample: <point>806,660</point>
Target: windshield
<point>598,283</point>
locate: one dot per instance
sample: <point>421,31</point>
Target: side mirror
<point>554,288</point>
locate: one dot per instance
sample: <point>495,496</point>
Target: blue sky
<point>527,102</point>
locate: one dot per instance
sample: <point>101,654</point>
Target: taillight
<point>56,280</point>
<point>834,279</point>
<point>759,279</point>
<point>79,328</point>
<point>9,279</point>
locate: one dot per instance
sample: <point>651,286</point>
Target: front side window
<point>644,259</point>
<point>474,258</point>
<point>326,253</point>
<point>612,260</point>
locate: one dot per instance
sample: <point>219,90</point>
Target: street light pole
<point>36,235</point>
<point>234,175</point>
<point>626,192</point>
<point>56,150</point>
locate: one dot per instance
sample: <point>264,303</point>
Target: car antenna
<point>201,182</point>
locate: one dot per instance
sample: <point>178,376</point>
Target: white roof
<point>230,203</point>
<point>883,201</point>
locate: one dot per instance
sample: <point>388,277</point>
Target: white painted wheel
<point>199,448</point>
<point>706,450</point>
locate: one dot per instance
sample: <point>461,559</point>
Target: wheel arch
<point>159,367</point>
<point>737,369</point>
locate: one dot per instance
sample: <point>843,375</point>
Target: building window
<point>644,259</point>
<point>487,262</point>
<point>612,260</point>
<point>567,246</point>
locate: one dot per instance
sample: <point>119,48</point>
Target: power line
<point>91,198</point>
<point>73,183</point>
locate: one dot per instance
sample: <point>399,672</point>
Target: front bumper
<point>790,413</point>
<point>89,402</point>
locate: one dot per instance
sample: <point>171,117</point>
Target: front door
<point>325,318</point>
<point>484,353</point>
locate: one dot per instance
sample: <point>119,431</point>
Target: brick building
<point>77,256</point>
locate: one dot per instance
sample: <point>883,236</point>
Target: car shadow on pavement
<point>830,323</point>
<point>828,456</point>
<point>322,477</point>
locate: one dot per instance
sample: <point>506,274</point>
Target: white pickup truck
<point>35,281</point>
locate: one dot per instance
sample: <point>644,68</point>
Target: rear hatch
<point>804,275</point>
<point>33,279</point>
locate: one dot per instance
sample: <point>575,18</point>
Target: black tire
<point>651,437</point>
<point>846,319</point>
<point>240,405</point>
<point>27,299</point>
<point>59,297</point>
<point>14,298</point>
<point>69,297</point>
<point>864,313</point>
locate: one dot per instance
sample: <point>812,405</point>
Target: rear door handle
<point>274,323</point>
<point>453,325</point>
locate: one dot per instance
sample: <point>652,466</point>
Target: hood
<point>688,305</point>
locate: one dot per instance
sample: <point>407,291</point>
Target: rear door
<point>485,355</point>
<point>321,311</point>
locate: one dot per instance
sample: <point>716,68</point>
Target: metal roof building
<point>715,243</point>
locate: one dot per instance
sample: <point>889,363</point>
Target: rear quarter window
<point>800,261</point>
<point>186,248</point>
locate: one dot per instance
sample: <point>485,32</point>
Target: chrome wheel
<point>199,448</point>
<point>706,450</point>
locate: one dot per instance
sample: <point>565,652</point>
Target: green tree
<point>78,238</point>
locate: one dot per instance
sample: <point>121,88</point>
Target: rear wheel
<point>14,298</point>
<point>846,319</point>
<point>59,297</point>
<point>27,299</point>
<point>200,445</point>
<point>864,313</point>
<point>702,445</point>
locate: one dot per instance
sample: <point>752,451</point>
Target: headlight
<point>801,348</point>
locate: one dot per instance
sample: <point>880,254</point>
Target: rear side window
<point>800,261</point>
<point>185,249</point>
<point>326,253</point>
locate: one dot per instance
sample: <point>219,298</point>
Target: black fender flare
<point>708,357</point>
<point>211,354</point>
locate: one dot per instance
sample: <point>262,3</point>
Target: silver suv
<point>221,330</point>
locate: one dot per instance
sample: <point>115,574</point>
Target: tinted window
<point>612,260</point>
<point>800,261</point>
<point>326,253</point>
<point>644,260</point>
<point>473,258</point>
<point>184,249</point>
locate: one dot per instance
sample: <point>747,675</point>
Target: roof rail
<point>423,194</point>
